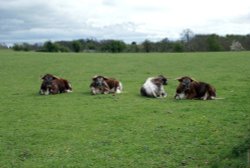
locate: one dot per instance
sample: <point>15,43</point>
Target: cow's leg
<point>179,96</point>
<point>162,92</point>
<point>153,91</point>
<point>41,92</point>
<point>54,89</point>
<point>47,92</point>
<point>93,91</point>
<point>205,97</point>
<point>119,88</point>
<point>105,91</point>
<point>69,88</point>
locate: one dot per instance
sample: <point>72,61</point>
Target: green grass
<point>126,130</point>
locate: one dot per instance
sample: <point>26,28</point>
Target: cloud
<point>242,19</point>
<point>128,20</point>
<point>40,21</point>
<point>109,2</point>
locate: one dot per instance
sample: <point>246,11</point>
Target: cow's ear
<point>54,77</point>
<point>43,77</point>
<point>105,78</point>
<point>179,79</point>
<point>161,76</point>
<point>193,79</point>
<point>49,77</point>
<point>94,77</point>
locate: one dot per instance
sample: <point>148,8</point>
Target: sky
<point>128,20</point>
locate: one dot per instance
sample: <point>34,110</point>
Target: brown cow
<point>192,89</point>
<point>54,85</point>
<point>104,85</point>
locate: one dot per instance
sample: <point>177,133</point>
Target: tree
<point>76,45</point>
<point>198,43</point>
<point>133,47</point>
<point>147,46</point>
<point>3,45</point>
<point>213,43</point>
<point>113,46</point>
<point>164,45</point>
<point>50,47</point>
<point>17,47</point>
<point>178,47</point>
<point>92,45</point>
<point>23,47</point>
<point>187,35</point>
<point>63,48</point>
<point>236,46</point>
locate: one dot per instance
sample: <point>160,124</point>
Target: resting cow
<point>104,85</point>
<point>192,89</point>
<point>153,87</point>
<point>54,85</point>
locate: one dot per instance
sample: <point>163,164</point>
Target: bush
<point>76,45</point>
<point>17,47</point>
<point>22,47</point>
<point>113,46</point>
<point>50,47</point>
<point>147,46</point>
<point>178,47</point>
<point>213,43</point>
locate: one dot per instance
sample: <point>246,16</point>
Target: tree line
<point>188,43</point>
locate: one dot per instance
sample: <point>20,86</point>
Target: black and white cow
<point>153,87</point>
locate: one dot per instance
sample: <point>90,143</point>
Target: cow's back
<point>112,83</point>
<point>61,85</point>
<point>203,88</point>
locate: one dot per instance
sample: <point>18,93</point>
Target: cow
<point>54,85</point>
<point>153,87</point>
<point>105,85</point>
<point>191,89</point>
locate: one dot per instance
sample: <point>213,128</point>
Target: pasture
<point>126,130</point>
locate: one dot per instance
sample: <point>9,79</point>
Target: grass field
<point>126,130</point>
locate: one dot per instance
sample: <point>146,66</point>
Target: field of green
<point>126,130</point>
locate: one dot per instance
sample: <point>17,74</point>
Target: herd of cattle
<point>188,88</point>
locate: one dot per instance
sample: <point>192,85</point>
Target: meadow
<point>126,130</point>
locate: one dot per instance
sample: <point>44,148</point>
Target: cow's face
<point>47,79</point>
<point>163,79</point>
<point>98,80</point>
<point>185,83</point>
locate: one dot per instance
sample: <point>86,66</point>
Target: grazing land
<point>126,130</point>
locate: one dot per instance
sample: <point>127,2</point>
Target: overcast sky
<point>127,20</point>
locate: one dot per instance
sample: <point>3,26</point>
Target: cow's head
<point>160,80</point>
<point>99,81</point>
<point>185,83</point>
<point>47,79</point>
<point>163,79</point>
